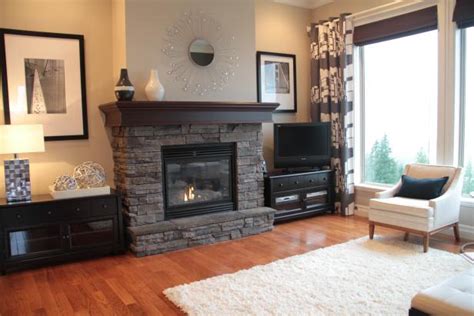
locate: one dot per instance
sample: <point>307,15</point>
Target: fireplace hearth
<point>198,179</point>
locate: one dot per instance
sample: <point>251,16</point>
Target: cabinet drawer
<point>280,184</point>
<point>78,209</point>
<point>323,179</point>
<point>31,215</point>
<point>103,206</point>
<point>18,215</point>
<point>296,182</point>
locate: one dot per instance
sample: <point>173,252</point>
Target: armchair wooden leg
<point>456,232</point>
<point>405,238</point>
<point>371,230</point>
<point>426,242</point>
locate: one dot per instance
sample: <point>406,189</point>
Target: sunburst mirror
<point>202,56</point>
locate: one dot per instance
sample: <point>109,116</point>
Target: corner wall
<point>146,27</point>
<point>93,19</point>
<point>282,29</point>
<point>119,53</point>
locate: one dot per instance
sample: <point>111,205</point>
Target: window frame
<point>462,94</point>
<point>461,99</point>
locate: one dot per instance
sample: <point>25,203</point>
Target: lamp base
<point>17,180</point>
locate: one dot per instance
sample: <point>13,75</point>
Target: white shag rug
<point>359,277</point>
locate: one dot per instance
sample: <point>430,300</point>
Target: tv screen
<point>302,145</point>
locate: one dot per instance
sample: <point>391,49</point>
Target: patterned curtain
<point>332,100</point>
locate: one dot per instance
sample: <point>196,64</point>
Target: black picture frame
<point>84,134</point>
<point>292,83</point>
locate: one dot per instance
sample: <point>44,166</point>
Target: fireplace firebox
<point>198,179</point>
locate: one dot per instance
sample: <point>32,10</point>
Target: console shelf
<point>297,195</point>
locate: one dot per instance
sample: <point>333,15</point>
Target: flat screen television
<point>302,145</point>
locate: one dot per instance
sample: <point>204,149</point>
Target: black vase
<point>124,89</point>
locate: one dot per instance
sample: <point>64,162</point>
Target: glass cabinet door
<point>91,233</point>
<point>35,240</point>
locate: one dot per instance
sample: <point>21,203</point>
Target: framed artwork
<point>276,80</point>
<point>43,82</point>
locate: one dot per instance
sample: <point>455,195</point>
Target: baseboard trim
<point>361,210</point>
<point>466,231</point>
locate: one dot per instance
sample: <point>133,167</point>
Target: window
<point>399,92</point>
<point>467,110</point>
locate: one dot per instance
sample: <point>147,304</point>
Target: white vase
<point>154,90</point>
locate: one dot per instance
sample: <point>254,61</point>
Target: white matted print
<point>277,80</point>
<point>45,82</point>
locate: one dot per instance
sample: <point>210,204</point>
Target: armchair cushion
<point>424,189</point>
<point>413,207</point>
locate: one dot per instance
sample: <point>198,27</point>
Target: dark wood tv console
<point>46,231</point>
<point>297,195</point>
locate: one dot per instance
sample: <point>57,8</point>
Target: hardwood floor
<point>126,285</point>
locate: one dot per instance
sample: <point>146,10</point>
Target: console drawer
<point>77,210</point>
<point>28,216</point>
<point>324,179</point>
<point>280,184</point>
<point>296,182</point>
<point>103,206</point>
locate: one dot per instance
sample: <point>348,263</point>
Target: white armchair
<point>423,217</point>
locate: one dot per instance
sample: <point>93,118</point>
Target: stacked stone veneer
<point>138,176</point>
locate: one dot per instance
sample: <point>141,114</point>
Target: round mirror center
<point>201,52</point>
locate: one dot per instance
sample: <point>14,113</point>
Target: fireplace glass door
<point>198,179</point>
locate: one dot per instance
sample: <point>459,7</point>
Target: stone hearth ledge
<point>199,230</point>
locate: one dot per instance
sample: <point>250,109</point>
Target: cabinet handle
<point>105,206</point>
<point>324,179</point>
<point>66,236</point>
<point>49,212</point>
<point>19,216</point>
<point>311,180</point>
<point>280,185</point>
<point>78,210</point>
<point>297,182</point>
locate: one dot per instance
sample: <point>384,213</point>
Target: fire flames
<point>189,193</point>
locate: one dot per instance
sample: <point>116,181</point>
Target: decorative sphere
<point>65,183</point>
<point>89,174</point>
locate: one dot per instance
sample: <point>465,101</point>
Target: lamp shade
<point>17,139</point>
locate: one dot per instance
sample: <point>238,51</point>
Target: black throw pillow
<point>423,189</point>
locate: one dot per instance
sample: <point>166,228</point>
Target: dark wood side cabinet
<point>296,195</point>
<point>46,231</point>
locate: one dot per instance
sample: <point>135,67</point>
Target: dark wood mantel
<point>146,113</point>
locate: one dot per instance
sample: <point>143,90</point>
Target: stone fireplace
<point>188,181</point>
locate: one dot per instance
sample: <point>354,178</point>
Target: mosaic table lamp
<point>17,139</point>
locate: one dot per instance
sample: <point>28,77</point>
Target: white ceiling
<point>307,4</point>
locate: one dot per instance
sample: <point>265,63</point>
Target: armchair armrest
<point>446,200</point>
<point>390,192</point>
<point>446,208</point>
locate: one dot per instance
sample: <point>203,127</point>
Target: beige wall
<point>282,29</point>
<point>93,19</point>
<point>119,54</point>
<point>146,25</point>
<point>345,6</point>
